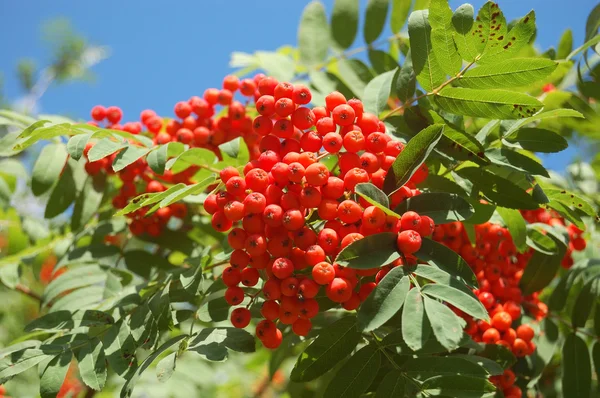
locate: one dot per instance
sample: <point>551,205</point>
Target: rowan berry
<point>409,241</point>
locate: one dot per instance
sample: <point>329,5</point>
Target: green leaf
<point>105,147</point>
<point>406,81</point>
<point>490,30</point>
<point>576,367</point>
<point>584,303</point>
<point>499,190</point>
<point>356,375</point>
<point>53,373</point>
<point>426,367</point>
<point>570,199</point>
<point>47,168</point>
<point>427,68</point>
<point>447,260</point>
<point>77,144</point>
<point>212,343</point>
<point>193,189</point>
<point>516,225</point>
<point>375,18</point>
<point>377,92</point>
<point>70,320</point>
<point>62,195</point>
<point>372,194</point>
<point>119,347</point>
<point>446,325</point>
<point>415,326</point>
<point>386,300</point>
<point>92,364</point>
<point>593,41</point>
<point>350,73</point>
<point>541,269</point>
<point>514,41</point>
<point>458,386</point>
<point>334,343</point>
<point>511,73</point>
<point>88,201</point>
<point>372,251</point>
<point>539,140</point>
<point>442,41</point>
<point>410,159</point>
<point>128,156</point>
<point>157,158</point>
<point>344,22</point>
<point>393,384</point>
<point>130,383</point>
<point>540,242</point>
<point>491,104</point>
<point>381,61</point>
<point>75,278</point>
<point>441,207</point>
<point>565,45</point>
<point>399,14</point>
<point>166,367</point>
<point>540,116</point>
<point>441,277</point>
<point>491,367</point>
<point>457,298</point>
<point>313,34</point>
<point>573,216</point>
<point>465,39</point>
<point>19,361</point>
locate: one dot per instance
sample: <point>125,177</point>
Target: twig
<point>27,291</point>
<point>216,264</point>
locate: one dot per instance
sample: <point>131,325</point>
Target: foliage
<point>465,92</point>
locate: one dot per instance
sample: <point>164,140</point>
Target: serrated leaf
<point>166,367</point>
<point>386,300</point>
<point>518,37</point>
<point>511,73</point>
<point>92,364</point>
<point>457,298</point>
<point>372,194</point>
<point>415,326</point>
<point>541,116</point>
<point>538,140</point>
<point>130,383</point>
<point>344,22</point>
<point>105,147</point>
<point>187,191</point>
<point>447,260</point>
<point>313,34</point>
<point>375,18</point>
<point>541,269</point>
<point>19,361</point>
<point>399,14</point>
<point>406,81</point>
<point>499,190</point>
<point>442,41</point>
<point>516,225</point>
<point>63,194</point>
<point>499,354</point>
<point>410,159</point>
<point>70,320</point>
<point>128,156</point>
<point>491,104</point>
<point>427,68</point>
<point>540,242</point>
<point>48,167</point>
<point>334,343</point>
<point>441,207</point>
<point>576,367</point>
<point>157,158</point>
<point>462,23</point>
<point>584,303</point>
<point>441,277</point>
<point>570,199</point>
<point>119,348</point>
<point>458,386</point>
<point>75,278</point>
<point>393,384</point>
<point>491,367</point>
<point>234,339</point>
<point>88,201</point>
<point>53,373</point>
<point>355,376</point>
<point>445,324</point>
<point>77,144</point>
<point>372,251</point>
<point>377,92</point>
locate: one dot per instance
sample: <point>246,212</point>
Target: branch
<point>27,291</point>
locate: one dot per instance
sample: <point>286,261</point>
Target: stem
<point>216,265</point>
<point>27,291</point>
<point>208,168</point>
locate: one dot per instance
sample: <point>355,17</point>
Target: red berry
<point>409,241</point>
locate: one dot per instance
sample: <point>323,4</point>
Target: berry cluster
<point>291,215</point>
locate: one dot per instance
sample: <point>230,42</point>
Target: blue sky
<point>163,52</point>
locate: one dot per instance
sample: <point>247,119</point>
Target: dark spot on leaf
<point>563,191</point>
<point>526,20</point>
<point>480,26</point>
<point>478,18</point>
<point>514,38</point>
<point>516,106</point>
<point>500,37</point>
<point>572,196</point>
<point>579,205</point>
<point>494,15</point>
<point>498,27</point>
<point>480,154</point>
<point>492,34</point>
